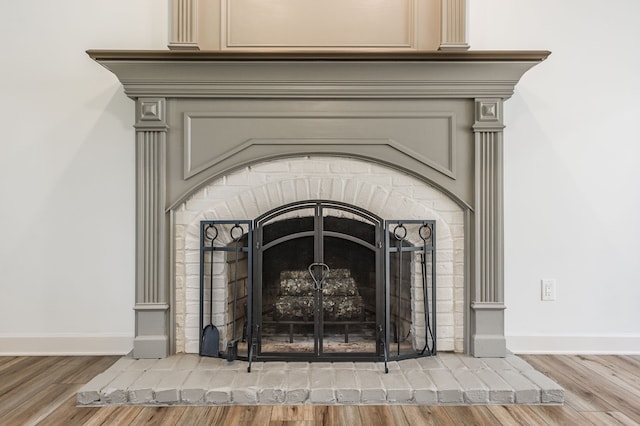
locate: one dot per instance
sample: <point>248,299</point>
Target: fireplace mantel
<point>465,89</point>
<point>448,74</point>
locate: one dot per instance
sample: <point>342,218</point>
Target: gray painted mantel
<point>232,90</point>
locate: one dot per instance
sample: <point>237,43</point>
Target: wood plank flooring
<point>599,390</point>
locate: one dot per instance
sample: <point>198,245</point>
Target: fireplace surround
<point>203,118</point>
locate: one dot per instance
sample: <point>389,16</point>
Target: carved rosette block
<point>151,110</point>
<point>152,328</point>
<point>454,25</point>
<point>487,325</point>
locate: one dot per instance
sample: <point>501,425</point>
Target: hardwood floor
<point>599,390</point>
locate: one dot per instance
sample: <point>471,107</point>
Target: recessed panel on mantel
<point>323,23</point>
<point>213,137</point>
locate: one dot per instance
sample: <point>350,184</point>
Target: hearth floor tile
<point>448,378</point>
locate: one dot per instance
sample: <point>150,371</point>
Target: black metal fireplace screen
<point>317,281</point>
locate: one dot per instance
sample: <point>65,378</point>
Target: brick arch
<point>386,192</point>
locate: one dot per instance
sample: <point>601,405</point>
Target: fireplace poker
<point>425,235</point>
<point>232,346</point>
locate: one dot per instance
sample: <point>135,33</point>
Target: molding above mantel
<point>197,74</point>
<point>292,25</point>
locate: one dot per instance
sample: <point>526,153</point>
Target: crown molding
<point>446,74</point>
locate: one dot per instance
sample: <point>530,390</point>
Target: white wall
<point>67,173</point>
<point>572,180</point>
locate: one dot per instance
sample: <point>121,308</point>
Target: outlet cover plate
<point>548,289</point>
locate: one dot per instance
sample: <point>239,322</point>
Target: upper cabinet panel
<point>290,25</point>
<point>293,24</point>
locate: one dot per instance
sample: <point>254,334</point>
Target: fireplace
<point>387,136</point>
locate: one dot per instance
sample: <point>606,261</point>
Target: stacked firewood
<point>341,300</point>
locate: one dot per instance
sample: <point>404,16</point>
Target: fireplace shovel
<point>210,341</point>
<point>210,334</point>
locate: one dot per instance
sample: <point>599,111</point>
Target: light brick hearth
<point>446,379</point>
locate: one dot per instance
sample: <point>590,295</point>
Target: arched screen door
<point>319,282</point>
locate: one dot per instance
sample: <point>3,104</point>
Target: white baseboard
<point>66,344</point>
<point>92,344</point>
<point>628,344</point>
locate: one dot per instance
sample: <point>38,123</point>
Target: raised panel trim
<point>449,170</point>
<point>227,43</point>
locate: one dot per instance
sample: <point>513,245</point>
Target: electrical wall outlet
<point>548,287</point>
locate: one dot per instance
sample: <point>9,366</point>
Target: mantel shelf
<point>305,56</point>
<point>433,74</point>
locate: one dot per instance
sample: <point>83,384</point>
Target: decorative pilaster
<point>487,322</point>
<point>184,25</point>
<point>454,25</point>
<point>152,320</point>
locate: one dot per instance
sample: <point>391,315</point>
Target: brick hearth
<point>446,379</point>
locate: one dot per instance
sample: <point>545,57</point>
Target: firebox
<point>320,280</point>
